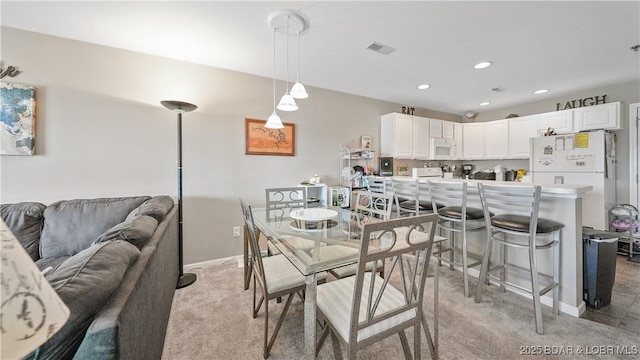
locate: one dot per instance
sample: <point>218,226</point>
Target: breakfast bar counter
<point>560,202</point>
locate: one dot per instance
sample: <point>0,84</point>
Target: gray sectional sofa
<point>114,262</point>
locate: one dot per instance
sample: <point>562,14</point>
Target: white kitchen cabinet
<point>435,128</point>
<point>521,129</point>
<point>448,129</point>
<point>404,136</point>
<point>421,131</point>
<point>457,140</point>
<point>605,116</point>
<point>473,141</point>
<point>441,129</point>
<point>496,143</point>
<point>396,135</point>
<point>560,121</point>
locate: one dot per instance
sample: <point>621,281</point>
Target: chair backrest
<point>375,204</point>
<point>406,189</point>
<point>512,199</point>
<point>409,235</point>
<point>256,257</point>
<point>286,197</point>
<point>448,193</point>
<point>377,184</point>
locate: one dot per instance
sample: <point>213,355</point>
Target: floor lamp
<point>180,107</point>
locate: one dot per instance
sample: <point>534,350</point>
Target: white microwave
<point>441,149</point>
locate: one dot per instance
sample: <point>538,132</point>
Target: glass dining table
<point>316,240</point>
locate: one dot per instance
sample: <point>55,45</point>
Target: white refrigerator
<point>586,158</point>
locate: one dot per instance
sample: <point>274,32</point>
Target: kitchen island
<point>560,202</point>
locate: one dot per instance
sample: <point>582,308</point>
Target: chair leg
<point>503,270</point>
<point>265,352</point>
<point>337,349</point>
<point>278,325</point>
<point>452,244</point>
<point>405,344</point>
<point>323,338</point>
<point>556,274</point>
<point>535,287</point>
<point>465,262</point>
<point>485,265</point>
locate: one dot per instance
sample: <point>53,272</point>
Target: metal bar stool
<point>449,201</point>
<point>519,227</point>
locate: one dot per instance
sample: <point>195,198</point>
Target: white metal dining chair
<point>370,204</point>
<point>519,227</point>
<point>363,309</point>
<point>276,277</point>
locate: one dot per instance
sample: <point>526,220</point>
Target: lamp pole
<point>180,107</point>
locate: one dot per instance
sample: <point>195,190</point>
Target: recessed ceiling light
<point>423,86</point>
<point>482,65</point>
<point>541,91</point>
<point>484,103</point>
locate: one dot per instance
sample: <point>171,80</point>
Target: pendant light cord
<point>274,69</point>
<point>287,53</point>
<point>298,53</point>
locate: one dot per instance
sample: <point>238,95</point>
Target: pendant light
<point>274,122</point>
<point>297,90</point>
<point>287,103</point>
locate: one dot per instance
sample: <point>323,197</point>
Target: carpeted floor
<point>211,319</point>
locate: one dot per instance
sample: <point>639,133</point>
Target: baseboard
<point>209,263</point>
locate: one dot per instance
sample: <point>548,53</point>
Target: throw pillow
<point>157,207</point>
<point>85,282</point>
<point>25,220</point>
<point>136,231</point>
<point>71,226</point>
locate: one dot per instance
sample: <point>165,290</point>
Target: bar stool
<point>412,197</point>
<point>519,227</point>
<point>449,201</point>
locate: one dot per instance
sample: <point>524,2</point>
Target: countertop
<point>548,190</point>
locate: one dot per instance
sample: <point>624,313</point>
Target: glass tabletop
<point>314,241</point>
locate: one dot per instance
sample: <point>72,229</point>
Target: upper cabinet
<point>496,135</point>
<point>404,136</point>
<point>521,129</point>
<point>605,116</point>
<point>441,129</point>
<point>396,138</point>
<point>457,140</point>
<point>560,121</point>
<point>473,141</point>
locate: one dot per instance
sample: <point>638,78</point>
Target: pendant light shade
<point>298,91</point>
<point>287,103</point>
<point>274,121</point>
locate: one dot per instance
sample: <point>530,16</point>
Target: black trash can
<point>599,250</point>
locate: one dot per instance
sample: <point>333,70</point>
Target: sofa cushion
<point>70,226</point>
<point>136,230</point>
<point>157,207</point>
<point>25,220</point>
<point>85,282</point>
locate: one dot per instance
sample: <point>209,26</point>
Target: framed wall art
<point>17,119</point>
<point>260,140</point>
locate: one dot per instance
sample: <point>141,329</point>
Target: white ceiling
<point>564,46</point>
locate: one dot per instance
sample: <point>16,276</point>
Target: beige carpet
<point>211,319</point>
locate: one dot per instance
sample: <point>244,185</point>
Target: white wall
<point>101,131</point>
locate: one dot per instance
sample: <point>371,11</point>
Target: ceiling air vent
<point>498,89</point>
<point>380,48</point>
